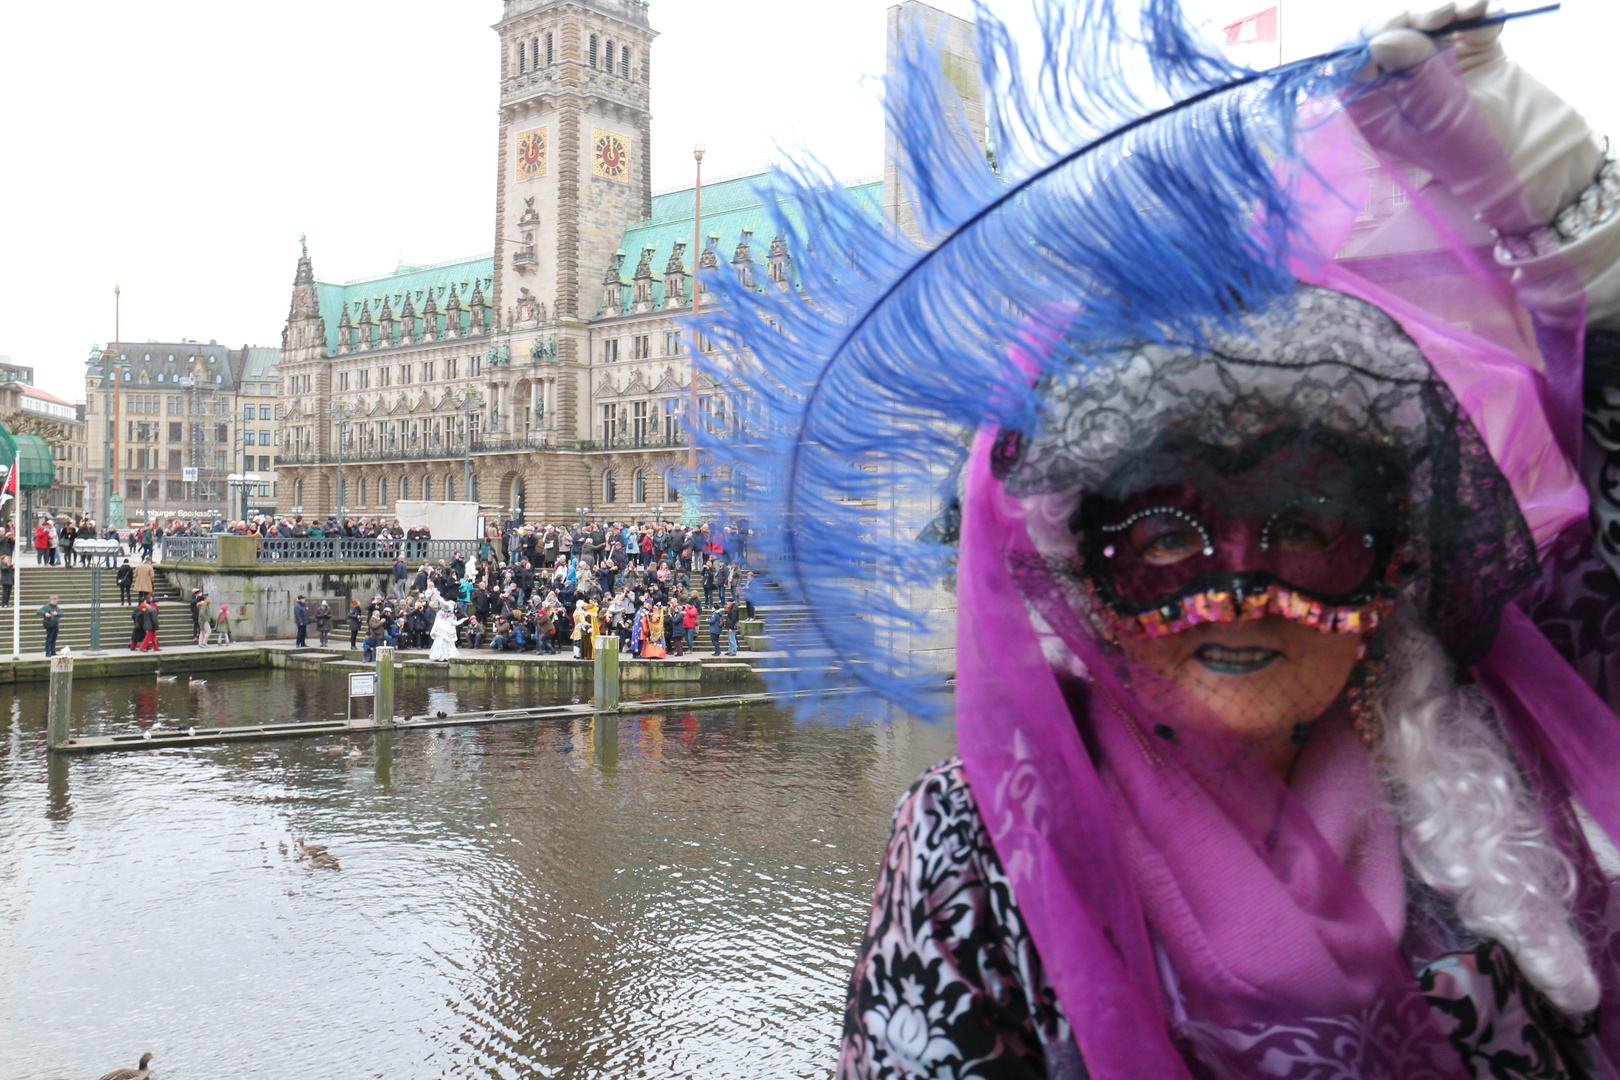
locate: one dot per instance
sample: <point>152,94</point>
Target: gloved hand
<point>1510,149</point>
<point>1421,115</point>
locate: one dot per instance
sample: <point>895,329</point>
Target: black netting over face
<point>1311,446</point>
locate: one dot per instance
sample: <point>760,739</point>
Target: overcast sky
<point>180,147</point>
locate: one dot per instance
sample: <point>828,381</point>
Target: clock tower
<point>574,171</point>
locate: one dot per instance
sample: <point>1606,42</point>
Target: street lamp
<point>582,511</point>
<point>658,515</point>
<point>469,400</point>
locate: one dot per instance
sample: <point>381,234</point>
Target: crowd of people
<point>542,588</point>
<point>558,607</point>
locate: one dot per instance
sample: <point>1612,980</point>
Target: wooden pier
<point>91,744</point>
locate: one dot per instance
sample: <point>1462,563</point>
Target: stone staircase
<point>71,587</point>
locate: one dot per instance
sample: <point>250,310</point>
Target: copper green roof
<point>730,207</point>
<point>416,281</point>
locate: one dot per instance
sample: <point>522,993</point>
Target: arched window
<point>427,488</point>
<point>382,492</point>
<point>449,489</point>
<point>641,485</point>
<point>523,52</point>
<point>473,494</point>
<point>607,60</point>
<point>405,487</point>
<point>298,493</point>
<point>549,53</point>
<point>593,50</point>
<point>671,492</point>
<point>624,61</point>
<point>362,490</point>
<point>534,54</point>
<point>610,488</point>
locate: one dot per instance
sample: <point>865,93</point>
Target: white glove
<point>1542,156</point>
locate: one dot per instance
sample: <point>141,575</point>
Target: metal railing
<point>190,549</point>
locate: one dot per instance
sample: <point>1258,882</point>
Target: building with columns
<point>553,374</point>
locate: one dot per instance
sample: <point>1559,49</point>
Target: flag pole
<point>14,481</point>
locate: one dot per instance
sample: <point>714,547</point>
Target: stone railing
<point>230,550</point>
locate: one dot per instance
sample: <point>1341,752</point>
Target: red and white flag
<point>1261,26</point>
<point>9,492</point>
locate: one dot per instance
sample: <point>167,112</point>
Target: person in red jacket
<point>149,622</point>
<point>42,542</point>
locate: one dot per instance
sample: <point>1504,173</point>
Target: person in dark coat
<point>126,579</point>
<point>300,620</point>
<point>137,620</point>
<point>8,578</point>
<point>51,616</point>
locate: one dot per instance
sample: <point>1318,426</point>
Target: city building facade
<point>45,428</point>
<point>166,429</point>
<point>551,377</point>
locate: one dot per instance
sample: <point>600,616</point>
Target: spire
<point>742,260</point>
<point>452,314</point>
<point>430,317</point>
<point>675,278</point>
<point>644,281</point>
<point>304,337</point>
<point>477,326</point>
<point>613,287</point>
<point>778,262</point>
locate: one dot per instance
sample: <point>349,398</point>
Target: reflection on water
<point>660,896</point>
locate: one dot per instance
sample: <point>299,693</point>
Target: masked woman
<point>444,629</point>
<point>652,632</point>
<point>1264,771</point>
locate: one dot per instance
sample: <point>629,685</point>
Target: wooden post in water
<point>61,701</point>
<point>383,709</point>
<point>607,673</point>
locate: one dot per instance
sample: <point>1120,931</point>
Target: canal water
<point>665,896</point>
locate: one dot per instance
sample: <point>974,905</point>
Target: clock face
<point>611,157</point>
<point>531,154</point>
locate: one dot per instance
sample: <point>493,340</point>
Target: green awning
<point>38,466</point>
<point>8,448</point>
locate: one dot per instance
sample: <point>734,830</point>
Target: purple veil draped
<point>1189,906</point>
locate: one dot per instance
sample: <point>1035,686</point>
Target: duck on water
<point>141,1073</point>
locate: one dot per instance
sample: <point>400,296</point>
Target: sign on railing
<point>324,549</point>
<point>190,549</point>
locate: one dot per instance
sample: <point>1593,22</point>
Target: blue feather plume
<point>1133,164</point>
